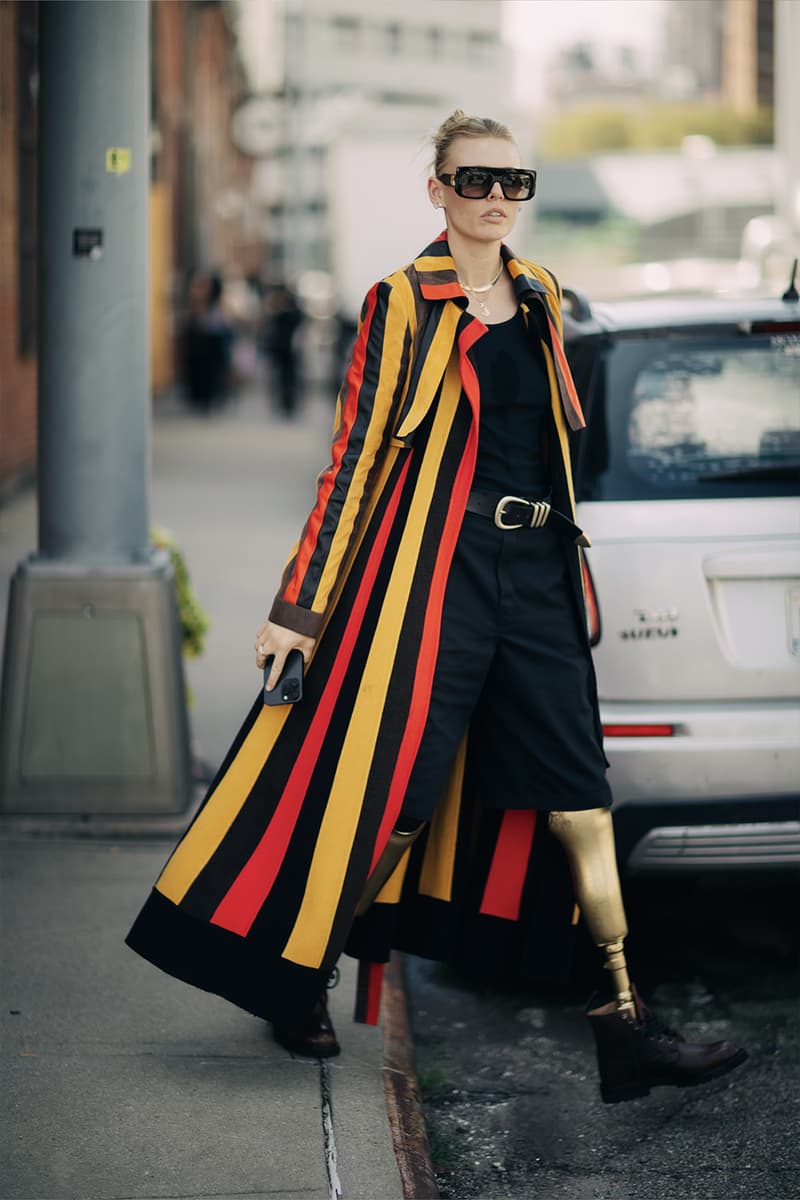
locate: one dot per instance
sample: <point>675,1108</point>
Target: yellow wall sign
<point>118,160</point>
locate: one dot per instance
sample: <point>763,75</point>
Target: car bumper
<point>721,794</point>
<point>716,751</point>
<point>758,845</point>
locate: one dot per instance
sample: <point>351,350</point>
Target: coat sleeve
<point>372,388</point>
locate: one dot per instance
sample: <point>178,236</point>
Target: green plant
<point>194,619</point>
<point>431,1081</point>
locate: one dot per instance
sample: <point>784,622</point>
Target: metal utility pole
<point>93,710</point>
<point>787,105</point>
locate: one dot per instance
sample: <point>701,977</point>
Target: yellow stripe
<point>435,362</point>
<point>435,262</point>
<point>436,876</point>
<point>576,914</point>
<point>391,358</point>
<point>309,938</point>
<point>205,836</point>
<point>390,892</point>
<point>561,425</point>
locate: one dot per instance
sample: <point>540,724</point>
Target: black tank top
<point>515,396</point>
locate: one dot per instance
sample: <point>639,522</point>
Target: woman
<point>450,707</point>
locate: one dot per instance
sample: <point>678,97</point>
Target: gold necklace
<point>477,292</point>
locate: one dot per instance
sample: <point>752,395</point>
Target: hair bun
<point>458,124</point>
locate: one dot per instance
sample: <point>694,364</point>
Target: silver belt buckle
<point>540,511</point>
<point>499,512</point>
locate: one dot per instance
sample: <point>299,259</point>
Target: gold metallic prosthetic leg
<point>635,1051</point>
<point>394,850</point>
<point>588,840</point>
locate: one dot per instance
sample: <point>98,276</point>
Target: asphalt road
<point>508,1074</point>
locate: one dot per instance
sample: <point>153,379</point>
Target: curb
<point>137,826</point>
<point>401,1089</point>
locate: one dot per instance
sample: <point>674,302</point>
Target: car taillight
<point>638,731</point>
<point>590,602</point>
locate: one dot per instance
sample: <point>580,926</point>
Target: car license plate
<point>793,619</point>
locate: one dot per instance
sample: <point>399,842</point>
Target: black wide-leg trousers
<point>513,664</point>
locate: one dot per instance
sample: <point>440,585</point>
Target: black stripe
<point>437,249</point>
<point>214,880</point>
<point>218,961</point>
<point>423,339</point>
<point>398,698</point>
<point>555,281</point>
<point>287,893</point>
<point>355,445</point>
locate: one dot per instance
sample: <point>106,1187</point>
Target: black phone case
<point>289,688</point>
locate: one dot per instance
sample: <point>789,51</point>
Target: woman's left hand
<point>278,641</point>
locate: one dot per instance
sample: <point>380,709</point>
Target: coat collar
<point>436,272</point>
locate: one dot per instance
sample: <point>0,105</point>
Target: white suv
<point>687,482</point>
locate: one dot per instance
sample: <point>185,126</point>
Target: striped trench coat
<point>257,900</point>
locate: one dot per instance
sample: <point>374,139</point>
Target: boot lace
<point>657,1030</point>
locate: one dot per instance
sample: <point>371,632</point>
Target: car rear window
<point>687,418</point>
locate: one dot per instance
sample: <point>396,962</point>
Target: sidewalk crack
<point>328,1135</point>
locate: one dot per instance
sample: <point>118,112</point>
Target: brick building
<point>199,214</point>
<point>18,22</point>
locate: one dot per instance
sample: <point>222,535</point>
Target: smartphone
<point>289,688</point>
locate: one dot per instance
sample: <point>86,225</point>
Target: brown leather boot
<point>636,1053</point>
<point>315,1037</point>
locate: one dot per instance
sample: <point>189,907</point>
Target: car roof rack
<point>579,307</point>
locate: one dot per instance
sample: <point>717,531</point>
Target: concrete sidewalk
<point>121,1083</point>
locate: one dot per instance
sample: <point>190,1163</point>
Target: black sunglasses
<point>475,183</point>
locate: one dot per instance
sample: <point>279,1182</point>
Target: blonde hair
<point>457,125</point>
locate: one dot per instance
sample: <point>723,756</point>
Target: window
<point>347,33</point>
<point>704,419</point>
<point>479,46</point>
<point>394,39</point>
<point>27,94</point>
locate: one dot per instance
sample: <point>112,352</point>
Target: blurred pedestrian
<point>283,319</point>
<point>441,787</point>
<point>345,331</point>
<point>206,344</point>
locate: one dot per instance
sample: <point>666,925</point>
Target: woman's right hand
<point>278,640</point>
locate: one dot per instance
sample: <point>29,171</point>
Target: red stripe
<point>374,986</point>
<point>441,291</point>
<point>569,396</point>
<point>355,378</point>
<point>429,645</point>
<point>502,895</point>
<point>244,899</point>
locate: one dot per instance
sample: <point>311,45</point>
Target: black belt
<point>514,512</point>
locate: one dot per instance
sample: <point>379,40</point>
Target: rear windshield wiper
<point>786,471</point>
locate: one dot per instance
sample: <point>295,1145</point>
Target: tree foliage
<point>605,127</point>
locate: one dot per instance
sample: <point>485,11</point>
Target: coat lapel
<point>438,284</point>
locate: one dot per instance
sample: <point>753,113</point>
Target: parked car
<point>687,483</point>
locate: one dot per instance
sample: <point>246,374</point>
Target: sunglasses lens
<point>517,185</point>
<point>473,184</point>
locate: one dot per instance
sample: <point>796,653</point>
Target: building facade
<point>199,196</point>
<point>721,50</point>
<point>748,54</point>
<point>350,68</point>
<point>18,87</point>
